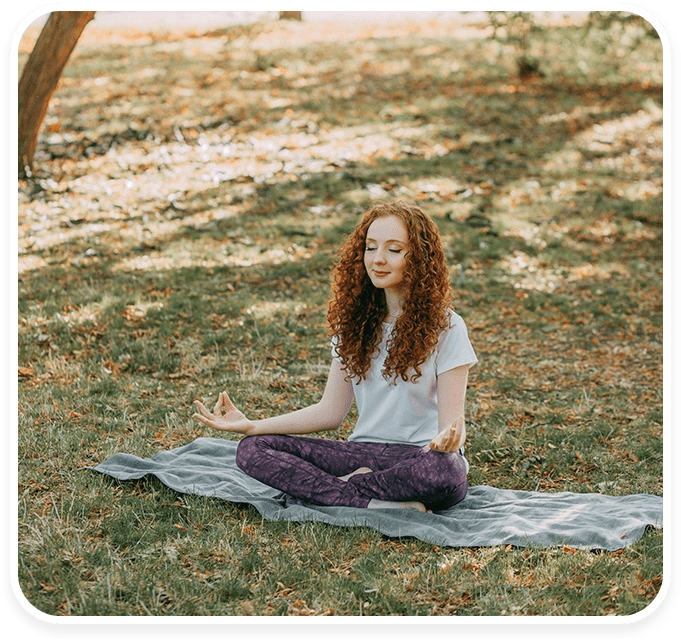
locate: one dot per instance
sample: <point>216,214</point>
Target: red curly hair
<point>358,308</point>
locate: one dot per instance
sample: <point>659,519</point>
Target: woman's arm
<point>451,400</point>
<point>328,414</point>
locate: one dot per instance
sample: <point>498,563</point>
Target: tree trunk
<point>290,15</point>
<point>41,75</point>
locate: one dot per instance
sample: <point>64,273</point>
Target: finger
<point>211,423</point>
<point>201,418</point>
<point>227,402</point>
<point>218,405</point>
<point>203,409</point>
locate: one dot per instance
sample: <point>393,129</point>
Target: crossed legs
<point>329,472</point>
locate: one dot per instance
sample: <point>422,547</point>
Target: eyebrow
<point>392,240</point>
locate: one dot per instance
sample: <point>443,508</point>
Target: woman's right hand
<point>232,420</point>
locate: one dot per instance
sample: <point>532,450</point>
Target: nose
<point>379,258</point>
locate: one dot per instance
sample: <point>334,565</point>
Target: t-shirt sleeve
<point>454,348</point>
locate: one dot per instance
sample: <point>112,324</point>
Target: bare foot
<point>359,470</point>
<point>375,504</point>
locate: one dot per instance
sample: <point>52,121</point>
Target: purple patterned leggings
<point>308,468</point>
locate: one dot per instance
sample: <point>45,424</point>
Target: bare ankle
<point>359,470</point>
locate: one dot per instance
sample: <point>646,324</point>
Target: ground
<point>176,238</point>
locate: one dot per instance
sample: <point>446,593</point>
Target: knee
<point>447,469</point>
<point>459,477</point>
<point>447,462</point>
<point>444,482</point>
<point>457,464</point>
<point>244,451</point>
<point>251,446</point>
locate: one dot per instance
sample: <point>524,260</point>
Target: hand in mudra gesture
<point>225,416</point>
<point>451,439</point>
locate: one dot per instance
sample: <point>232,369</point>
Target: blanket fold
<point>487,516</point>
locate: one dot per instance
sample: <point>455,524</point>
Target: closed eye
<point>394,251</point>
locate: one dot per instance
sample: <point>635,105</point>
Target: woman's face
<point>385,253</point>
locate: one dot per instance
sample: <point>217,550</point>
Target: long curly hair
<point>358,308</point>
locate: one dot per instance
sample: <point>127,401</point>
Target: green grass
<point>130,307</point>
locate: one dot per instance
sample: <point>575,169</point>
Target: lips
<point>380,274</point>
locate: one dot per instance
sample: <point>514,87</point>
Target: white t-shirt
<point>400,411</point>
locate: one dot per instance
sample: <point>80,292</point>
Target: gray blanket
<point>487,516</point>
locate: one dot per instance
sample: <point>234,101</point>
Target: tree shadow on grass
<point>356,122</point>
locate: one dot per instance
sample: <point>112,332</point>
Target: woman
<point>402,354</point>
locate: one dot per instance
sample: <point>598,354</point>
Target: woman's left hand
<point>451,438</point>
